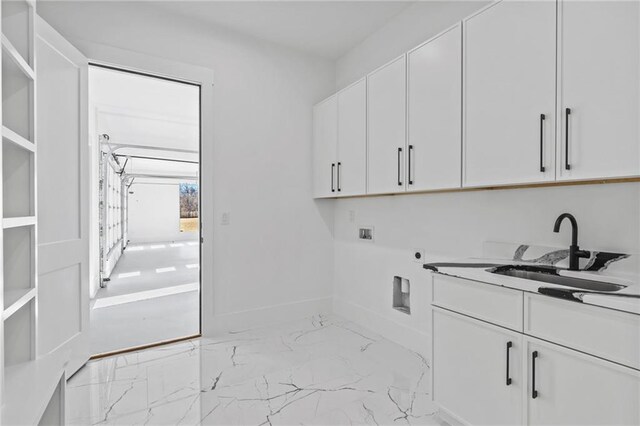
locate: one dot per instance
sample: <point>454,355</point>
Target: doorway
<point>146,216</point>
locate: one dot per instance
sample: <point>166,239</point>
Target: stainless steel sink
<point>551,275</point>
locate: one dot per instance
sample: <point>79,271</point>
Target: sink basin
<point>552,276</point>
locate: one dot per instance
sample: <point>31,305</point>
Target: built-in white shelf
<point>13,137</point>
<point>17,222</point>
<point>28,388</point>
<point>16,299</point>
<point>17,58</point>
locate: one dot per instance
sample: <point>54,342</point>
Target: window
<point>189,198</point>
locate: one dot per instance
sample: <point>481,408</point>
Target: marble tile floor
<point>319,371</point>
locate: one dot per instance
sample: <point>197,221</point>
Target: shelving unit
<point>28,386</point>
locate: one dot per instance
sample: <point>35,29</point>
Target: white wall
<point>275,256</point>
<point>452,225</point>
<point>154,214</point>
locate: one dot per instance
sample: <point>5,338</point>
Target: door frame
<point>152,66</point>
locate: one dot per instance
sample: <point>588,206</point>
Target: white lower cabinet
<point>577,389</point>
<point>551,384</point>
<point>477,370</point>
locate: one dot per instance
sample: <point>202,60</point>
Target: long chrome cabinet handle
<point>509,346</point>
<point>534,392</point>
<point>542,118</point>
<point>339,188</point>
<point>333,166</point>
<point>567,113</point>
<point>409,177</point>
<point>399,155</point>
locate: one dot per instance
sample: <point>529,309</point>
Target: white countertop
<point>482,274</point>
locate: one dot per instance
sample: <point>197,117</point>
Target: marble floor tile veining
<point>320,371</point>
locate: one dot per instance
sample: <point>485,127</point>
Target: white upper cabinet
<point>435,113</point>
<point>599,47</point>
<point>351,167</point>
<point>509,79</point>
<point>386,106</point>
<point>325,134</point>
<point>576,389</point>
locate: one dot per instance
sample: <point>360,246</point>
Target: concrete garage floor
<point>153,296</point>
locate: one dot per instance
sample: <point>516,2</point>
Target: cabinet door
<point>325,134</point>
<point>386,104</point>
<point>434,151</point>
<point>510,73</point>
<point>600,85</point>
<point>351,170</point>
<point>471,367</point>
<point>577,389</point>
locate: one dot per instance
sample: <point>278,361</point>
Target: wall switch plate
<point>352,216</point>
<point>418,255</point>
<point>226,219</point>
<point>365,233</point>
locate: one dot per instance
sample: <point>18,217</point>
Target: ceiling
<point>157,120</point>
<point>324,28</point>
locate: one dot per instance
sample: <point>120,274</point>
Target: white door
<point>510,75</point>
<point>577,389</point>
<point>600,89</point>
<point>63,198</point>
<point>435,113</point>
<point>477,370</point>
<point>386,109</point>
<point>351,178</point>
<point>325,135</point>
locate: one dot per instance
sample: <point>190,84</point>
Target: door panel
<point>325,139</point>
<point>435,113</point>
<point>352,140</point>
<point>510,73</point>
<point>577,389</point>
<point>386,109</point>
<point>62,205</point>
<point>600,69</point>
<point>470,370</point>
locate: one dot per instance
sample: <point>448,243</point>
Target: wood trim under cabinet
<point>502,187</point>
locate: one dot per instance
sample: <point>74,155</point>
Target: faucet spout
<point>574,251</point>
<point>574,226</point>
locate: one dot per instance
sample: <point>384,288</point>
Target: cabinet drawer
<point>602,332</point>
<point>487,302</point>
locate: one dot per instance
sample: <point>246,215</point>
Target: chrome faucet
<point>574,251</point>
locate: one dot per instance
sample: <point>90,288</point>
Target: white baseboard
<point>269,315</point>
<point>409,337</point>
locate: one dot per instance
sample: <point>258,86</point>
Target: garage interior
<point>146,218</point>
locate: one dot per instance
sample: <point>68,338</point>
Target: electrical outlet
<point>226,219</point>
<point>418,255</point>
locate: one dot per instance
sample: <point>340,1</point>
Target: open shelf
<point>17,27</point>
<point>17,222</point>
<point>19,260</point>
<point>18,182</point>
<point>29,388</point>
<point>17,59</point>
<point>19,342</point>
<point>13,137</point>
<point>17,98</point>
<point>16,299</point>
